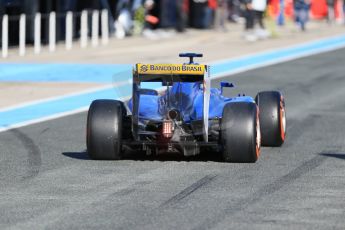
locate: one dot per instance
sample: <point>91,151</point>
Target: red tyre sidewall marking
<point>258,134</point>
<point>282,115</point>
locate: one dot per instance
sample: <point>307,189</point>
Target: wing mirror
<point>225,84</point>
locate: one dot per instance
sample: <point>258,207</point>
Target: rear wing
<point>168,74</point>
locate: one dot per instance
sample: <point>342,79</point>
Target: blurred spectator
<point>152,9</point>
<point>234,10</point>
<point>259,7</point>
<point>181,15</point>
<point>163,14</point>
<point>209,17</point>
<point>150,19</point>
<point>173,14</point>
<point>330,11</point>
<point>221,15</point>
<point>123,23</point>
<point>200,13</point>
<point>301,8</point>
<point>344,11</point>
<point>254,15</point>
<point>249,15</point>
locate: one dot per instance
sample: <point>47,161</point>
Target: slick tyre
<point>272,118</point>
<point>104,130</point>
<point>240,132</point>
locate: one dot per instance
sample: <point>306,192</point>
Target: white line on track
<point>94,89</point>
<point>273,62</point>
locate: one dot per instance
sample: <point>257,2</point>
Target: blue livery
<point>188,99</point>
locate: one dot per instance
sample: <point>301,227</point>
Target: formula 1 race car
<point>186,116</point>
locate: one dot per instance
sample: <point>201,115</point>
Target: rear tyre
<point>104,129</point>
<point>272,118</point>
<point>240,132</point>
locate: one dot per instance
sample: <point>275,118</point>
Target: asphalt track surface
<point>47,181</point>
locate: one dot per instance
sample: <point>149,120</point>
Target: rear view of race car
<point>186,116</point>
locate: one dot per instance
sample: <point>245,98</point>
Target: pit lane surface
<point>47,180</point>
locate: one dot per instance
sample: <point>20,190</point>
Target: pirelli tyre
<point>104,130</point>
<point>240,132</point>
<point>272,118</point>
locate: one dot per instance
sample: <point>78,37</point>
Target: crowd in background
<point>144,16</point>
<point>128,17</point>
